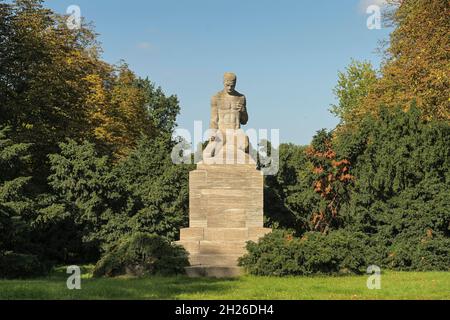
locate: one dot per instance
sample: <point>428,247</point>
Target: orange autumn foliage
<point>332,176</point>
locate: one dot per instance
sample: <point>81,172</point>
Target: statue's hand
<point>212,139</point>
<point>238,107</point>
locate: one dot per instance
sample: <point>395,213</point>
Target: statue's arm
<point>244,114</point>
<point>214,124</point>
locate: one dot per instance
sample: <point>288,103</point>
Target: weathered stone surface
<point>192,234</point>
<point>229,234</point>
<point>199,223</point>
<point>231,218</point>
<point>192,247</point>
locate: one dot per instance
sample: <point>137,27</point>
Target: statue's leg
<point>209,150</point>
<point>241,147</point>
<point>243,142</point>
<point>213,151</point>
<point>220,142</point>
<point>247,145</point>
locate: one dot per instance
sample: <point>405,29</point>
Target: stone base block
<point>226,205</point>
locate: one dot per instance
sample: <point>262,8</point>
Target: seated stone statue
<point>228,142</point>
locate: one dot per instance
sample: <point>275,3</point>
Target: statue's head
<point>229,82</point>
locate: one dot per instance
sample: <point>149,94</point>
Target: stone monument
<point>226,192</point>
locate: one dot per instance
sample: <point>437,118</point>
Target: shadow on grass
<point>121,288</point>
<point>179,287</point>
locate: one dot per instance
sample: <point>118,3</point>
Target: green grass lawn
<point>395,285</point>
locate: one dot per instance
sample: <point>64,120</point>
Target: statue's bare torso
<point>228,111</point>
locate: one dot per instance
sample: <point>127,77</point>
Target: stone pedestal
<point>226,211</point>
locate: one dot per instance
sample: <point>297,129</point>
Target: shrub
<point>15,265</point>
<point>280,254</point>
<point>142,254</point>
<point>426,254</point>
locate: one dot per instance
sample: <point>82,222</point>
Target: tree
<point>288,196</point>
<point>163,110</point>
<point>128,114</point>
<point>89,192</point>
<point>42,65</point>
<point>124,107</point>
<point>59,99</point>
<point>332,182</point>
<point>417,60</point>
<point>159,187</point>
<point>352,88</point>
<point>14,202</point>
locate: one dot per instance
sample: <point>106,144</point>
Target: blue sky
<point>286,53</point>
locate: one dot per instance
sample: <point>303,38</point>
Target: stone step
<point>214,247</point>
<point>223,247</point>
<point>214,272</point>
<point>228,260</point>
<point>223,234</point>
<point>226,234</point>
<point>191,246</point>
<point>235,234</point>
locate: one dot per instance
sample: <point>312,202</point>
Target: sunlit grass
<point>395,285</point>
